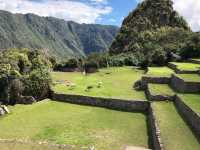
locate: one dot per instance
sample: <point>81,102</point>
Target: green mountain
<point>60,38</point>
<point>152,32</point>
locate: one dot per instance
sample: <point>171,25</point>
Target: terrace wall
<point>116,104</point>
<point>191,117</point>
<point>180,85</point>
<point>154,131</point>
<point>156,80</point>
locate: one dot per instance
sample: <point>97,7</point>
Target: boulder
<point>26,100</point>
<point>138,85</point>
<point>6,110</point>
<point>2,112</point>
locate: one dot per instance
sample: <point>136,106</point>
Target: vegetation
<point>23,72</point>
<point>60,38</point>
<point>74,125</point>
<point>153,32</point>
<point>115,82</point>
<point>192,47</point>
<point>175,133</point>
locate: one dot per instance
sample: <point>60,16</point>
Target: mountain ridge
<point>61,38</point>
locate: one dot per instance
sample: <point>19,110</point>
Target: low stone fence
<point>116,104</point>
<point>178,71</point>
<point>157,80</point>
<point>155,97</point>
<point>191,117</point>
<point>181,86</point>
<point>154,131</point>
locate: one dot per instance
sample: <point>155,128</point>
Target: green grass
<point>116,83</point>
<point>175,133</point>
<point>187,66</point>
<point>75,125</point>
<point>189,77</point>
<point>161,89</point>
<point>159,72</point>
<point>27,146</point>
<point>192,100</point>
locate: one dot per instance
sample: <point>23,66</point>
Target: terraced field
<point>161,89</point>
<point>187,66</point>
<point>74,125</point>
<point>80,127</point>
<point>192,100</point>
<point>159,72</point>
<point>116,83</point>
<point>175,133</point>
<point>189,77</point>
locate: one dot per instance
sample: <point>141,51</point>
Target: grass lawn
<point>187,66</point>
<point>75,125</point>
<point>27,146</point>
<point>159,72</point>
<point>192,100</point>
<point>189,77</point>
<point>161,89</point>
<point>175,133</point>
<point>116,83</point>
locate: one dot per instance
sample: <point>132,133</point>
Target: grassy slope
<point>187,66</point>
<point>117,84</point>
<point>192,100</point>
<point>159,71</point>
<point>161,89</point>
<point>75,125</point>
<point>175,134</point>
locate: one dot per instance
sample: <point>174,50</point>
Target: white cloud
<point>64,9</point>
<point>190,10</point>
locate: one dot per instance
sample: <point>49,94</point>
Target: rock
<point>6,110</point>
<point>26,100</point>
<point>138,85</point>
<point>2,112</point>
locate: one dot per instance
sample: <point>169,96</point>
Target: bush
<point>23,72</point>
<point>191,48</point>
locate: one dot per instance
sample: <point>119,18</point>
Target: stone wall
<point>116,104</point>
<point>181,86</point>
<point>174,67</point>
<point>155,97</point>
<point>154,131</point>
<point>156,80</point>
<point>191,117</point>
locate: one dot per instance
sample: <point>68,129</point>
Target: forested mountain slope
<point>60,38</point>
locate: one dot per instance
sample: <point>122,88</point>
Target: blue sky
<point>120,9</point>
<point>109,12</point>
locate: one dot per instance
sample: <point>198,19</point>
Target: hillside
<point>151,32</point>
<point>61,38</point>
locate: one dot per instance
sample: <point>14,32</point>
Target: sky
<point>110,12</point>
